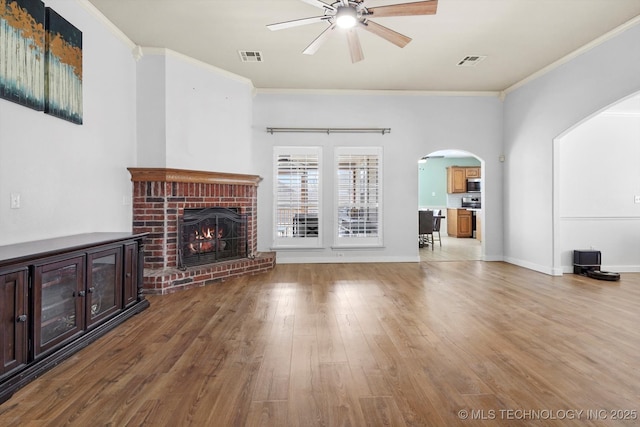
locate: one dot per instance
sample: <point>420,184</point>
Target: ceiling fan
<point>352,14</point>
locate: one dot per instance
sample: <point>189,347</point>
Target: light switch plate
<point>15,200</point>
<point>636,199</point>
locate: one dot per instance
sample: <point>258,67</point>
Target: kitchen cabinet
<point>459,223</point>
<point>472,172</point>
<point>456,180</point>
<point>478,227</point>
<point>59,295</point>
<point>457,177</point>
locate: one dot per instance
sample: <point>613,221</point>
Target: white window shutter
<point>297,196</point>
<point>358,196</point>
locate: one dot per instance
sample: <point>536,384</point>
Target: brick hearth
<point>160,196</point>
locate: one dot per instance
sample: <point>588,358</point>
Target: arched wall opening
<point>433,194</point>
<point>596,188</point>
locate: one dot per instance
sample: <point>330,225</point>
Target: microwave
<point>474,185</point>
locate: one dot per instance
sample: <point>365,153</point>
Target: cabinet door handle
<point>81,293</point>
<point>91,289</point>
<point>22,318</point>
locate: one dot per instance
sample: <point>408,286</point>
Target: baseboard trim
<point>532,266</point>
<point>283,259</point>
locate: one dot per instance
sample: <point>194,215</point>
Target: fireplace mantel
<point>191,176</point>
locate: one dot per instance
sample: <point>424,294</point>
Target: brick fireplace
<point>160,197</point>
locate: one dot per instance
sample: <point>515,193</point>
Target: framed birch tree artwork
<point>63,68</point>
<point>22,52</point>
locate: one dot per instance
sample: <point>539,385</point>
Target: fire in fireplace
<point>211,235</point>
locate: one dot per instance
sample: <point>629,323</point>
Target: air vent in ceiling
<point>250,56</point>
<point>470,61</point>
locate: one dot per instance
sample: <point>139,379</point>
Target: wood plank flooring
<point>452,249</point>
<point>464,343</point>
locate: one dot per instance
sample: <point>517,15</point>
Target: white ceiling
<point>519,38</point>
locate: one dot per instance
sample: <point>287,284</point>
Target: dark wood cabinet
<point>103,296</point>
<point>58,295</point>
<point>14,318</point>
<point>131,274</point>
<point>58,313</point>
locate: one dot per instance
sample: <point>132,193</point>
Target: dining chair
<point>425,227</point>
<point>436,228</point>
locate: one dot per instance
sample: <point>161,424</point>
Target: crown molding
<point>108,24</point>
<point>371,92</point>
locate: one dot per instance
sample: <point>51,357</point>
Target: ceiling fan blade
<point>315,45</point>
<point>355,49</point>
<point>296,23</point>
<point>386,33</point>
<point>405,9</point>
<point>320,4</point>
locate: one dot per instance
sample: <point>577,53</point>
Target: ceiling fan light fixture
<point>348,14</point>
<point>346,17</point>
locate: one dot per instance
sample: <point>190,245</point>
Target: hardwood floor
<point>452,249</point>
<point>436,344</point>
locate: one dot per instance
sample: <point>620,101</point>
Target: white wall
<point>540,111</point>
<point>598,179</point>
<point>192,115</point>
<point>73,178</point>
<point>151,110</point>
<point>419,124</point>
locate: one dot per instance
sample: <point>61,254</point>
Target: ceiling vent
<point>250,56</point>
<point>471,60</point>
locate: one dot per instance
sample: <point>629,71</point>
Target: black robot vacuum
<point>587,263</point>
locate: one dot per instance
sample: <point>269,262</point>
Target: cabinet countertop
<point>20,252</point>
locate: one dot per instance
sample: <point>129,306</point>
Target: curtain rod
<point>329,131</point>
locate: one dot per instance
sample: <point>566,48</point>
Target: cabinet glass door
<point>58,295</point>
<point>104,287</point>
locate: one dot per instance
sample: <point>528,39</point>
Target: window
<point>297,197</point>
<point>358,196</point>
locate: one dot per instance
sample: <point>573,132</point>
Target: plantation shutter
<point>359,196</point>
<point>297,196</point>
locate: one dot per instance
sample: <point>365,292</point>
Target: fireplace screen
<point>211,235</point>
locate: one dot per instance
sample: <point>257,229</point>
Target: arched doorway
<point>596,191</point>
<point>457,204</point>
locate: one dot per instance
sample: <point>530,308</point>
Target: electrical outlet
<point>636,199</point>
<point>15,200</point>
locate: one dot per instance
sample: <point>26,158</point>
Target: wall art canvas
<point>63,68</point>
<point>22,52</point>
